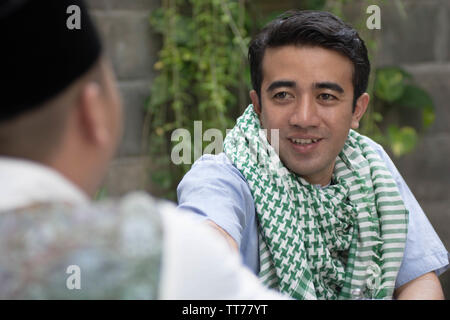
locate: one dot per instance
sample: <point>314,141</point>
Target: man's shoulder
<point>384,156</point>
<point>212,166</point>
<point>220,159</point>
<point>212,182</point>
<point>374,145</point>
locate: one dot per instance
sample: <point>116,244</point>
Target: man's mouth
<point>305,145</point>
<point>305,141</point>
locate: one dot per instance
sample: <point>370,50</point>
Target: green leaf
<point>402,140</point>
<point>390,83</point>
<point>157,20</point>
<point>377,117</point>
<point>428,117</point>
<point>415,97</point>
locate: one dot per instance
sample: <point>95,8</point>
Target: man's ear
<point>92,114</point>
<point>361,106</point>
<point>255,101</point>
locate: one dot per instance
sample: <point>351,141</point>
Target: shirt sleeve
<point>214,189</point>
<point>424,251</point>
<point>199,264</point>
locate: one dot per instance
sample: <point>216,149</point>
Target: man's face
<point>307,93</point>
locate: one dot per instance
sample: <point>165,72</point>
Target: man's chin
<point>310,173</point>
<point>300,165</point>
<point>302,172</point>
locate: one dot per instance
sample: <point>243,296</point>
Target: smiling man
<point>316,209</point>
<point>307,94</point>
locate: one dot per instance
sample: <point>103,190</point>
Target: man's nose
<point>304,114</point>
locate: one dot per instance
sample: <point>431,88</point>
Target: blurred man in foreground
<point>60,124</point>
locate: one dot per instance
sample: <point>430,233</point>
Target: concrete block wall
<point>132,48</point>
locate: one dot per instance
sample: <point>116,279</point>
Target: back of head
<point>311,28</point>
<point>42,57</point>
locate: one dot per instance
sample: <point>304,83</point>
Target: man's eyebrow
<point>329,85</point>
<point>281,83</point>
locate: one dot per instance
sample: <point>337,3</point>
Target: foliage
<point>201,75</point>
<point>396,96</point>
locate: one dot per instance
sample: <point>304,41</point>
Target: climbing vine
<point>201,75</point>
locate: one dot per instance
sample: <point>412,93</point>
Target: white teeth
<point>304,141</point>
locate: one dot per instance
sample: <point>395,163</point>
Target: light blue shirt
<point>215,189</point>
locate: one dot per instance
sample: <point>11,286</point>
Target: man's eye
<point>327,96</point>
<point>281,95</point>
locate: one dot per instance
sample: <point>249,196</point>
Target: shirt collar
<point>24,182</point>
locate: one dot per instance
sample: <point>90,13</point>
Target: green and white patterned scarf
<point>345,241</point>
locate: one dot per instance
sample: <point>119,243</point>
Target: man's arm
<point>217,193</point>
<point>198,264</point>
<point>425,256</point>
<point>425,287</point>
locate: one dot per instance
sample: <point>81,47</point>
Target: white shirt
<point>196,262</point>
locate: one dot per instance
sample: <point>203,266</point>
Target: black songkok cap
<point>40,55</point>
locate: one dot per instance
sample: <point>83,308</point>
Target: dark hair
<point>314,28</point>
